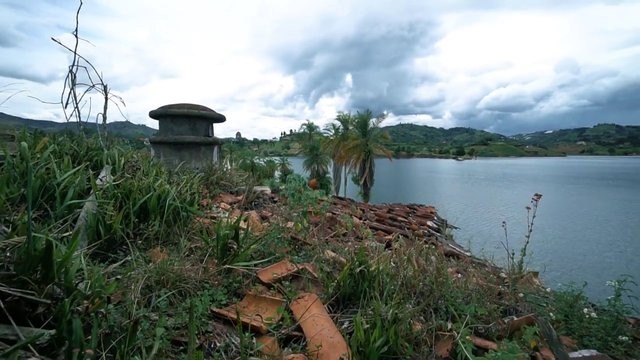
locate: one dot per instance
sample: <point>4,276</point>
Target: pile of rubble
<point>260,311</point>
<point>345,220</point>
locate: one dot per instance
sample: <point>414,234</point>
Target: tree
<point>316,161</point>
<point>284,168</point>
<point>366,141</point>
<point>337,135</point>
<point>471,152</point>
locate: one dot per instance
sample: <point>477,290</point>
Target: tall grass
<point>47,280</point>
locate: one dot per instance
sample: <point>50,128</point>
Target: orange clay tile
<point>269,346</point>
<point>257,312</point>
<point>324,341</point>
<point>483,343</point>
<point>282,269</point>
<point>295,357</point>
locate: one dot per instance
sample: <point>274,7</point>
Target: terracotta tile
<point>277,271</point>
<point>443,347</point>
<point>283,269</point>
<point>547,354</point>
<point>568,343</point>
<point>518,323</point>
<point>295,357</point>
<point>257,312</point>
<point>483,343</point>
<point>324,340</point>
<point>269,346</point>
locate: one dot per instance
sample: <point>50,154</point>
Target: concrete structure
<point>186,135</point>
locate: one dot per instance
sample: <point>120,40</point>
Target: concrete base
<point>172,151</point>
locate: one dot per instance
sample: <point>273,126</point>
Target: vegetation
<point>154,264</point>
<point>362,145</point>
<point>337,137</point>
<point>409,140</point>
<point>316,160</point>
<point>122,129</point>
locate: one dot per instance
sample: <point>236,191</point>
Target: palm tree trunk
<point>336,173</point>
<point>346,172</point>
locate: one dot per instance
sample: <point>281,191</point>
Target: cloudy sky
<point>269,65</point>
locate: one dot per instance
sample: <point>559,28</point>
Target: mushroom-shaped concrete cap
<point>187,110</point>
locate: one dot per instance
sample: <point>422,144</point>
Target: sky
<point>503,66</point>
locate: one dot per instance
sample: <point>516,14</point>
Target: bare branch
<point>10,96</point>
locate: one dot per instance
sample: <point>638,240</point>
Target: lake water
<point>588,222</point>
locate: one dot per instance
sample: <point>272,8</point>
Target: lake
<point>588,222</point>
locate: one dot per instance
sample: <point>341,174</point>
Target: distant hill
<point>603,139</point>
<point>410,140</point>
<point>124,129</point>
<point>610,136</point>
<point>432,136</point>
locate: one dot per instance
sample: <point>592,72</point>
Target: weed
<point>230,244</point>
<point>597,326</point>
<point>517,268</point>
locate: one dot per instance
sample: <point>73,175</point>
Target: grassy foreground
<point>131,270</point>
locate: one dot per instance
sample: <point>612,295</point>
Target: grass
<point>151,269</point>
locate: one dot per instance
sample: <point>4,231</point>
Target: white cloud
<point>269,66</point>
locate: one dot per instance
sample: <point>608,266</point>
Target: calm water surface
<point>588,223</point>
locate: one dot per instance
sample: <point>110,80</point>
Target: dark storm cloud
<point>378,59</point>
<point>24,73</point>
<point>589,106</point>
<point>383,77</point>
<point>8,37</point>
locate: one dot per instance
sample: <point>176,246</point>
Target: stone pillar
<point>186,135</point>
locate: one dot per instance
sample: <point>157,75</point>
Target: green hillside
<point>410,140</point>
<point>602,139</point>
<point>124,129</point>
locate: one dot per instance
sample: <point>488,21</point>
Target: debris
<point>324,340</point>
<point>335,257</point>
<point>228,199</point>
<point>546,354</point>
<point>282,269</point>
<point>254,222</point>
<point>416,326</point>
<point>313,184</point>
<point>262,189</point>
<point>588,355</point>
<point>483,343</point>
<point>518,323</point>
<point>257,312</point>
<point>224,206</point>
<point>295,357</point>
<point>269,346</point>
<point>158,254</point>
<point>530,280</point>
<point>265,215</point>
<point>444,346</point>
<point>568,343</point>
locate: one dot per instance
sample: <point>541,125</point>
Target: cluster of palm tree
<point>316,160</point>
<point>351,144</point>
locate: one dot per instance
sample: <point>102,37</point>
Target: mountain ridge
<point>413,140</point>
<point>121,128</point>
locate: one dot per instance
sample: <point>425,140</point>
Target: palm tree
<point>284,168</point>
<point>367,140</point>
<point>333,145</point>
<point>338,134</point>
<point>316,161</point>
